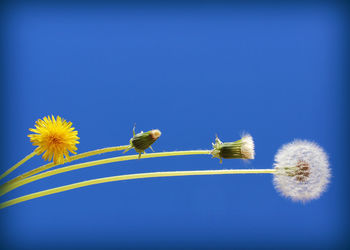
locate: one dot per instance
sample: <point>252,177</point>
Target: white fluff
<point>317,179</point>
<point>247,149</point>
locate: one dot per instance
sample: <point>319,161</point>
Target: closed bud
<point>241,149</point>
<point>142,141</point>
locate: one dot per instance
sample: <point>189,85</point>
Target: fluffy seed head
<point>55,138</point>
<point>303,171</point>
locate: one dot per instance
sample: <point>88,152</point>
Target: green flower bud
<point>241,149</point>
<point>144,140</point>
<point>141,141</point>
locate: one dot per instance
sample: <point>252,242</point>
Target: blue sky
<point>192,71</point>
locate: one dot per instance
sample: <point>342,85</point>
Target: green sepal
<point>231,150</point>
<point>227,150</point>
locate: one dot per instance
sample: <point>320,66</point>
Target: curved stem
<point>7,188</point>
<point>132,177</point>
<point>72,158</point>
<point>17,165</point>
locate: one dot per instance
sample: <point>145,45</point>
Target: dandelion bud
<point>241,149</point>
<point>302,171</point>
<point>144,140</point>
<point>141,141</point>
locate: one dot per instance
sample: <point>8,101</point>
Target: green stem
<point>72,158</point>
<point>17,165</point>
<point>7,188</point>
<point>132,177</point>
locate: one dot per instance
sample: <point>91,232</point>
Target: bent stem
<point>17,165</point>
<point>7,188</point>
<point>132,177</point>
<point>72,158</point>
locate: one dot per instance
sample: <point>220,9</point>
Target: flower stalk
<point>143,140</point>
<point>7,188</point>
<point>72,158</point>
<point>132,177</point>
<point>17,165</point>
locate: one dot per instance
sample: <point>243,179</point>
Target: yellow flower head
<point>55,138</point>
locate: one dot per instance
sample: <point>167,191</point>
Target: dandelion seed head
<point>303,171</point>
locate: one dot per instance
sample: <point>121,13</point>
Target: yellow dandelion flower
<point>55,138</point>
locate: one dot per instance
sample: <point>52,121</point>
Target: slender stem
<point>132,177</point>
<point>72,158</point>
<point>17,165</point>
<point>7,188</point>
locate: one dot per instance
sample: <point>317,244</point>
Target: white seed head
<point>247,148</point>
<point>303,171</point>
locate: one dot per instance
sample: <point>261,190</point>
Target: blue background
<point>191,70</point>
